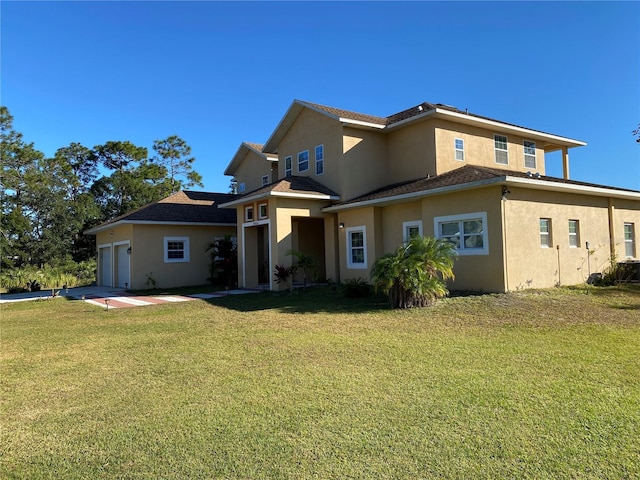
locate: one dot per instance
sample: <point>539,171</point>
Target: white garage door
<point>123,266</point>
<point>105,266</point>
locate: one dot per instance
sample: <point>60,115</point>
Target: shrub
<point>357,288</point>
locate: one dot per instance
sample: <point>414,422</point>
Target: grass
<point>537,384</point>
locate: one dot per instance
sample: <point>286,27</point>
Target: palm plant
<point>414,275</point>
<point>307,263</point>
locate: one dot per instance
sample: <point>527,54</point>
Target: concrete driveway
<point>113,297</point>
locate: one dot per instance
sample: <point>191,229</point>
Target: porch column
<point>281,239</point>
<point>565,163</point>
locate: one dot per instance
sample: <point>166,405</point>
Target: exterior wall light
<point>341,225</point>
<point>129,251</point>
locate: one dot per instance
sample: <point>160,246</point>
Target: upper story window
<point>176,249</point>
<point>242,187</point>
<point>265,180</point>
<point>629,240</point>
<point>303,161</point>
<point>287,166</point>
<point>262,210</point>
<point>411,229</point>
<point>248,214</point>
<point>574,233</point>
<point>500,145</point>
<point>529,154</point>
<point>357,247</point>
<point>545,232</point>
<point>319,159</point>
<point>458,144</point>
<point>467,232</point>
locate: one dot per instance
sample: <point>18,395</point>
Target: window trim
<point>409,224</point>
<point>319,161</point>
<point>185,249</point>
<point>458,150</point>
<point>266,212</point>
<point>482,216</point>
<point>496,149</point>
<point>350,264</point>
<point>247,210</point>
<point>288,170</point>
<point>630,241</point>
<point>548,233</point>
<point>531,155</point>
<point>303,161</point>
<point>575,235</point>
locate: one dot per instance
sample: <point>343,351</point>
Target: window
<point>265,180</point>
<point>529,154</point>
<point>303,161</point>
<point>319,160</point>
<point>411,229</point>
<point>356,247</point>
<point>467,232</point>
<point>574,233</point>
<point>248,214</point>
<point>176,249</point>
<point>262,210</point>
<point>459,147</point>
<point>545,232</point>
<point>287,166</point>
<point>241,187</point>
<point>629,240</point>
<point>500,144</point>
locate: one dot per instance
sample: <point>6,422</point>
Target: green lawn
<point>533,385</point>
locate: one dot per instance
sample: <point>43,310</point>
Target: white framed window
<point>458,145</point>
<point>287,166</point>
<point>467,232</point>
<point>319,159</point>
<point>303,161</point>
<point>529,154</point>
<point>411,229</point>
<point>545,233</point>
<point>262,210</point>
<point>357,247</point>
<point>248,214</point>
<point>629,240</point>
<point>176,249</point>
<point>265,180</point>
<point>500,146</point>
<point>574,233</point>
<point>241,187</point>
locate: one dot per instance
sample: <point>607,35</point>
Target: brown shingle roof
<point>182,207</point>
<point>294,184</point>
<point>461,176</point>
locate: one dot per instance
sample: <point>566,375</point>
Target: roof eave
<point>108,226</point>
<point>273,194</point>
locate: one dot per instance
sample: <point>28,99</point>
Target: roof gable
<point>244,149</point>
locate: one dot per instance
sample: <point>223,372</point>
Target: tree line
<point>48,202</point>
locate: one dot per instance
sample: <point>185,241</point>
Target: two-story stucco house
<point>348,188</point>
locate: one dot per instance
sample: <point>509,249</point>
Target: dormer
<point>252,168</point>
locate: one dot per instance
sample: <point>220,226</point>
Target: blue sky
<point>217,73</point>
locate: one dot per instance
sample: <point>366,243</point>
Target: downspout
<point>503,211</point>
<point>612,236</point>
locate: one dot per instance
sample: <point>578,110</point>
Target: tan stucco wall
<point>385,230</point>
<point>479,148</point>
<point>147,257</point>
<point>117,235</point>
<point>308,131</point>
<point>252,169</point>
<point>411,152</point>
<point>625,211</point>
<point>363,167</point>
